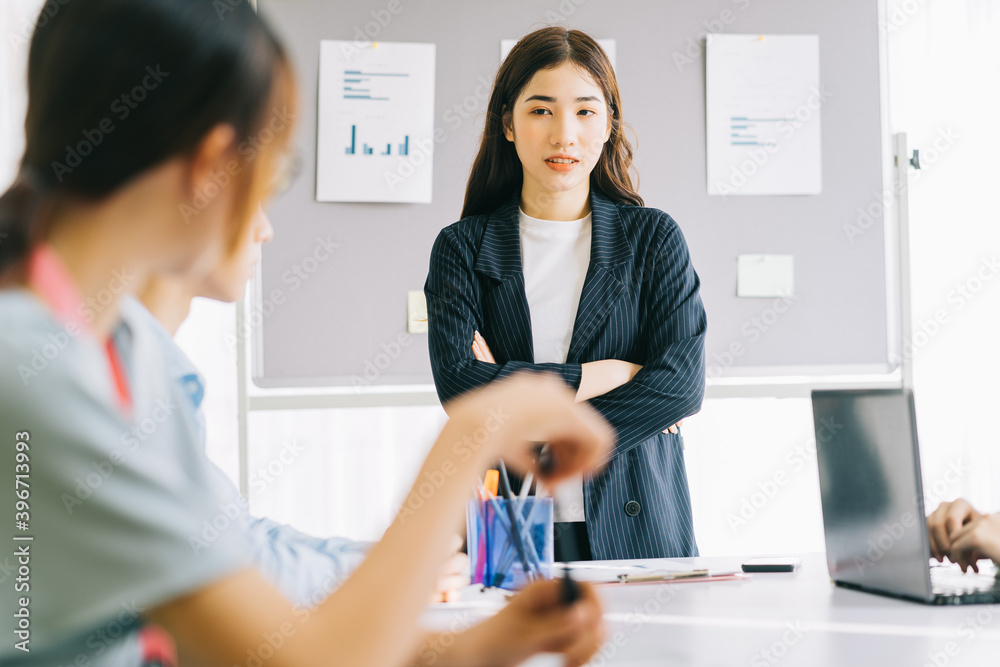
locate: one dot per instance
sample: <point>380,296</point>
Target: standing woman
<point>557,265</point>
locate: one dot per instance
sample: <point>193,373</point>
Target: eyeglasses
<point>289,166</point>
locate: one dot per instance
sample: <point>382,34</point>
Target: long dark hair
<point>116,87</point>
<point>497,172</point>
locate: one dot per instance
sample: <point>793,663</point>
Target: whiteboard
<point>342,320</point>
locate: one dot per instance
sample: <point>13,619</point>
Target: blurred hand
<point>979,538</point>
<point>535,621</point>
<point>481,350</point>
<point>508,417</point>
<point>946,520</point>
<point>676,428</point>
<point>454,575</point>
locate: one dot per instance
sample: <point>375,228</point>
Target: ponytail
<point>20,212</point>
<point>184,69</point>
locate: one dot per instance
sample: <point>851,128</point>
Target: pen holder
<point>496,558</point>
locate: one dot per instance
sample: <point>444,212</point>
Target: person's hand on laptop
<point>963,534</point>
<point>979,538</point>
<point>946,520</point>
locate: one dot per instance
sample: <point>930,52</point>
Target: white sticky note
<point>765,275</point>
<point>416,312</point>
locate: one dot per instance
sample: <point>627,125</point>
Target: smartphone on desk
<point>782,564</point>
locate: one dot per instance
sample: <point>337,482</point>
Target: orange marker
<point>491,483</point>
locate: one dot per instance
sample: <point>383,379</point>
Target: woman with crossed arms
<point>556,264</point>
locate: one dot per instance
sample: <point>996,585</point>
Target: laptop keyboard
<point>949,580</point>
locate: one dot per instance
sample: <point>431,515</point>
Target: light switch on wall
<point>416,312</point>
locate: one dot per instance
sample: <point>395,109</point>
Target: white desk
<point>797,618</point>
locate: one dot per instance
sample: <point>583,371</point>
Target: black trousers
<point>571,541</point>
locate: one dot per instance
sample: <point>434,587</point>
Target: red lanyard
<point>49,277</point>
<point>118,375</point>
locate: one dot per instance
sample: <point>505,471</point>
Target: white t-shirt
<point>555,256</point>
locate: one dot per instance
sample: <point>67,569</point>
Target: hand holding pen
<point>539,619</point>
<point>511,410</point>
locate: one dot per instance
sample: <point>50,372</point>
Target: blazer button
<point>632,508</point>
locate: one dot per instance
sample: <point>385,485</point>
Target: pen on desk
<point>479,567</point>
<point>526,532</point>
<point>515,523</point>
<point>665,576</point>
<point>489,496</point>
<point>546,462</point>
<point>570,589</point>
<point>486,491</point>
<point>490,484</point>
<point>535,505</point>
<point>526,535</point>
<point>525,486</point>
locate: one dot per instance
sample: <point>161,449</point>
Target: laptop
<point>873,504</point>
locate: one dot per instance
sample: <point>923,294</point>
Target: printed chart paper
<point>762,107</point>
<point>375,130</point>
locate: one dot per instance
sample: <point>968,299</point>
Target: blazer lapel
<point>602,288</point>
<point>505,306</point>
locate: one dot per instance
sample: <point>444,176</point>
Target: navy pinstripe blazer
<point>640,303</point>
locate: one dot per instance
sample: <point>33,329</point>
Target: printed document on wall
<point>762,114</point>
<point>375,130</point>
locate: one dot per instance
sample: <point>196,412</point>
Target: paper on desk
<point>610,572</point>
<point>597,573</point>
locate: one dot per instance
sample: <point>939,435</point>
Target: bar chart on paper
<point>376,122</point>
<point>402,149</point>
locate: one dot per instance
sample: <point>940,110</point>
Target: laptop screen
<point>869,471</point>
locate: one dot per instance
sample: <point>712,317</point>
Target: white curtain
<point>945,87</point>
<point>17,18</point>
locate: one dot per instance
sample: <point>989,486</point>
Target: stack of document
<point>485,601</point>
<point>623,572</point>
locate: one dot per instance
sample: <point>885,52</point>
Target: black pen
<point>570,589</point>
<point>546,463</point>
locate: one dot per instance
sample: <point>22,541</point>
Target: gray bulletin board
<point>341,320</point>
